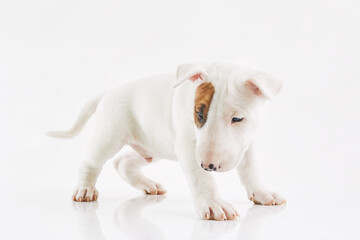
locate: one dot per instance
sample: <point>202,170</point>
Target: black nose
<point>210,168</point>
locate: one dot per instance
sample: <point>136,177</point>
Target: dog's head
<point>228,100</point>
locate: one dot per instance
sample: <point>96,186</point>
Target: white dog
<point>205,117</point>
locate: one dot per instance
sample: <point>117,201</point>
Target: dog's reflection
<point>89,224</point>
<point>205,229</point>
<point>129,220</point>
<point>255,217</point>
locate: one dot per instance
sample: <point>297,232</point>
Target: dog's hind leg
<point>128,163</point>
<point>106,141</point>
<point>98,153</point>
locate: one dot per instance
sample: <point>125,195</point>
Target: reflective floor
<point>38,215</point>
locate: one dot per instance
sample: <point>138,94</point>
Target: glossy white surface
<point>37,215</point>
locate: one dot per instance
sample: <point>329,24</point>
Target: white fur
<point>156,120</point>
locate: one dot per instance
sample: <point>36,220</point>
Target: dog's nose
<point>210,167</point>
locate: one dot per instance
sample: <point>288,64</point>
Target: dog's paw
<point>265,197</point>
<point>85,194</point>
<point>217,210</point>
<point>150,187</point>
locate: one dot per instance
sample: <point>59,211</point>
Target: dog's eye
<point>235,119</point>
<point>200,115</point>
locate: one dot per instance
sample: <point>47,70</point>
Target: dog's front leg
<point>208,203</point>
<point>256,191</point>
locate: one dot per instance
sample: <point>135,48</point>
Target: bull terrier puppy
<point>205,116</point>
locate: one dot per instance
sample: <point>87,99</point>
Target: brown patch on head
<point>203,96</point>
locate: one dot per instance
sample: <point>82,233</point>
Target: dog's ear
<point>263,85</point>
<point>192,72</point>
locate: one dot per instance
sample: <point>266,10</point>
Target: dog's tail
<point>87,111</point>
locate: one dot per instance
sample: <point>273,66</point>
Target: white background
<point>56,55</point>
